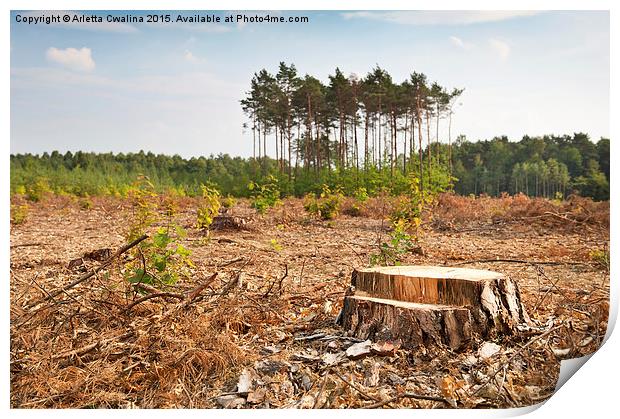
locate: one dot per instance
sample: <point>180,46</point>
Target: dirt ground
<point>262,333</point>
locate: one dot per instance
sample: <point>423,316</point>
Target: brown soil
<point>83,349</point>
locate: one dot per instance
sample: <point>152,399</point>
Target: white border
<point>591,393</point>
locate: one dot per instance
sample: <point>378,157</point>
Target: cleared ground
<point>269,314</point>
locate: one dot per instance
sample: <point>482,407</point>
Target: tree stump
<point>431,305</point>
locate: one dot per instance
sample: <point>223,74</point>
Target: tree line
<point>549,166</point>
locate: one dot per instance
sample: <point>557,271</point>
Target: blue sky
<point>175,88</point>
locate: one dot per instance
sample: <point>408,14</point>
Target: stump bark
<point>431,305</point>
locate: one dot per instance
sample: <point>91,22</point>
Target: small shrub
<point>38,190</point>
<point>275,245</point>
<point>86,203</point>
<point>228,201</point>
<point>142,197</point>
<point>160,259</point>
<point>400,243</point>
<point>19,214</point>
<point>600,257</point>
<point>209,207</point>
<point>326,206</point>
<point>265,195</point>
<point>361,194</point>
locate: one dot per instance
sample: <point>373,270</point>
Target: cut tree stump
<point>431,305</point>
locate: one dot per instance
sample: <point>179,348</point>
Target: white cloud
<point>458,42</point>
<point>90,26</point>
<point>72,58</point>
<point>189,56</point>
<point>500,47</point>
<point>428,17</point>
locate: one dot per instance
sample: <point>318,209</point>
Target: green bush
<point>228,201</point>
<point>400,243</point>
<point>326,206</point>
<point>38,190</point>
<point>160,259</point>
<point>19,214</point>
<point>209,207</point>
<point>265,195</point>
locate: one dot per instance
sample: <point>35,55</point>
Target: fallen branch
<point>527,262</point>
<point>84,277</point>
<point>153,295</point>
<point>321,389</point>
<point>266,294</point>
<point>87,348</point>
<point>406,396</point>
<point>14,246</point>
<point>356,388</point>
<point>230,262</point>
<point>190,297</point>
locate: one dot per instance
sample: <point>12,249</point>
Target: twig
<point>356,388</point>
<point>233,282</point>
<point>529,262</point>
<point>200,288</point>
<point>91,273</point>
<point>356,253</point>
<point>515,354</point>
<point>321,389</point>
<point>87,348</point>
<point>282,279</point>
<point>553,285</point>
<point>230,262</point>
<point>406,396</point>
<point>151,296</point>
<point>14,246</point>
<point>190,297</point>
<point>301,274</point>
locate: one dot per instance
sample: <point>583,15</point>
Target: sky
<point>175,88</point>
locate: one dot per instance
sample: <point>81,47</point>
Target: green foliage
<point>228,201</point>
<point>38,190</point>
<point>266,194</point>
<point>399,244</point>
<point>160,259</point>
<point>409,211</point>
<point>405,222</point>
<point>326,205</point>
<point>209,207</point>
<point>86,203</point>
<point>534,166</point>
<point>275,245</point>
<point>361,194</point>
<point>19,214</point>
<point>600,257</point>
<point>144,204</point>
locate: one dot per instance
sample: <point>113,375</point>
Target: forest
<point>535,166</point>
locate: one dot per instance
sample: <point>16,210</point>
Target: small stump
<point>431,305</point>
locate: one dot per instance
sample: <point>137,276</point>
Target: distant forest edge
<point>549,166</point>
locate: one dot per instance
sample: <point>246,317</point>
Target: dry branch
<point>153,295</point>
<point>84,277</point>
<point>406,396</point>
